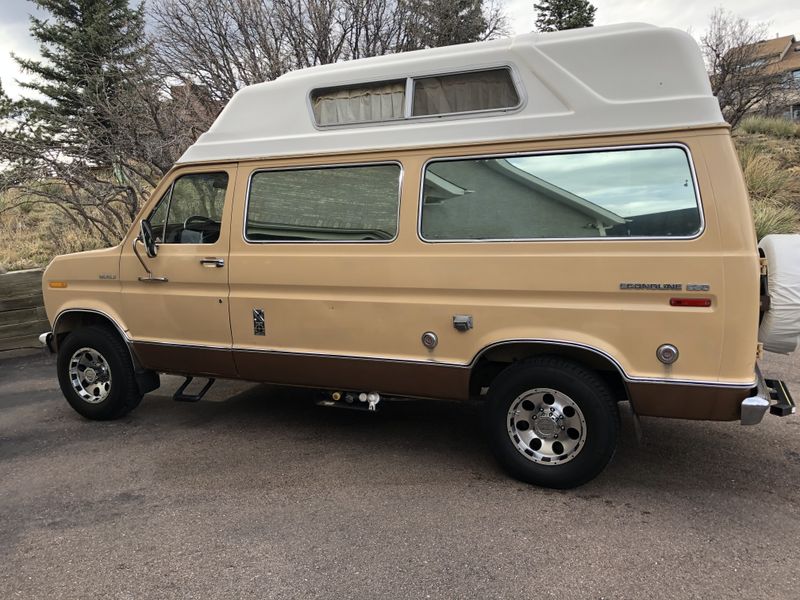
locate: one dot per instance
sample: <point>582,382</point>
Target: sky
<point>783,17</point>
<point>628,182</point>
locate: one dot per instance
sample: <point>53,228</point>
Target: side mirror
<point>148,239</point>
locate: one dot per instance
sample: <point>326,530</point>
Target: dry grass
<point>766,179</point>
<point>774,218</point>
<point>779,128</point>
<point>772,173</point>
<point>31,237</point>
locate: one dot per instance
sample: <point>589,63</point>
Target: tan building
<point>783,54</point>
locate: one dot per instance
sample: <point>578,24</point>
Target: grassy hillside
<point>769,150</point>
<point>32,235</point>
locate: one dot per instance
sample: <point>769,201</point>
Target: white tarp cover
<point>780,328</point>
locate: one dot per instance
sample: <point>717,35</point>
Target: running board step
<point>180,396</point>
<point>785,403</point>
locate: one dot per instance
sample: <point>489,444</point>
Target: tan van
<point>551,224</point>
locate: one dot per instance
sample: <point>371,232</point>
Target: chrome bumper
<point>755,407</point>
<point>45,340</point>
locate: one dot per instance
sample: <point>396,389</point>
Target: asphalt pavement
<point>257,492</point>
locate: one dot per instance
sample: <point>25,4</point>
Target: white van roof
<point>599,80</point>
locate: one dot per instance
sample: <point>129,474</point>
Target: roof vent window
<point>464,92</point>
<point>382,101</point>
<point>441,95</point>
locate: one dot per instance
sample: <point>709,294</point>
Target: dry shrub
<point>780,128</point>
<point>766,179</point>
<point>774,218</point>
<point>31,236</point>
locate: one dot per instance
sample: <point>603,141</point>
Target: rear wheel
<point>96,374</point>
<point>552,422</point>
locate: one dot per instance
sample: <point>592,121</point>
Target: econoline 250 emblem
<point>669,287</point>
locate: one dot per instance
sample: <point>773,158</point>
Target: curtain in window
<point>379,102</point>
<point>463,92</point>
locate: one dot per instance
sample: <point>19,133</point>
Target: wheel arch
<point>75,318</point>
<point>493,359</point>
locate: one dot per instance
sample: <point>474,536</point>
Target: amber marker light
<point>696,302</point>
<point>57,285</point>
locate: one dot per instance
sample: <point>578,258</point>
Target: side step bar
<point>180,396</point>
<point>785,404</point>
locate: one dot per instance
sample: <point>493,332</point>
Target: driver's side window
<point>190,212</point>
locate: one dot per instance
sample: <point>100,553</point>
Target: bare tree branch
<point>740,67</point>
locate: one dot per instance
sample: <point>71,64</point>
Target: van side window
<point>625,193</point>
<point>329,204</point>
<point>190,212</point>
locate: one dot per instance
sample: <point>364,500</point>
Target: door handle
<point>212,262</point>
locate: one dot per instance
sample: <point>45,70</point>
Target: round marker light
<point>667,353</point>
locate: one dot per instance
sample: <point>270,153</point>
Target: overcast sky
<point>627,182</point>
<point>782,15</point>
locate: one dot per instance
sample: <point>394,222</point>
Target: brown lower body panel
<point>678,401</point>
<point>418,379</point>
<point>424,380</point>
<point>186,360</point>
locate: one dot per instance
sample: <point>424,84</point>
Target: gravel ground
<point>258,493</point>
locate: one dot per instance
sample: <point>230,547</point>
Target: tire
<point>566,407</point>
<point>96,374</point>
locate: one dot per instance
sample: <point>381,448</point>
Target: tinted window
<point>193,209</point>
<point>324,204</point>
<point>646,192</point>
<point>464,92</point>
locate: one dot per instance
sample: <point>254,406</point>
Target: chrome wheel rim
<point>546,426</point>
<point>90,375</point>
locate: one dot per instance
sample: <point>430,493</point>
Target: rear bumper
<point>755,407</point>
<point>770,395</point>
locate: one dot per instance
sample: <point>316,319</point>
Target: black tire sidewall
<point>586,390</point>
<point>123,395</point>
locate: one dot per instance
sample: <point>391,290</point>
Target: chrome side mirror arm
<point>150,277</point>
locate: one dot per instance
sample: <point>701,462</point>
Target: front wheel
<point>96,374</point>
<point>552,422</point>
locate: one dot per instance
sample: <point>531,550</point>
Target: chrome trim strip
<point>408,104</point>
<point>431,363</point>
<point>188,346</point>
<point>470,365</point>
<point>318,167</point>
<point>602,239</point>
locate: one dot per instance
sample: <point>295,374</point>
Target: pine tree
<point>90,48</point>
<point>557,15</point>
<point>449,22</point>
<point>5,104</point>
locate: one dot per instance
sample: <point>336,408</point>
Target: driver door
<point>178,319</point>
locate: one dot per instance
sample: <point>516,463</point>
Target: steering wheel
<point>198,219</point>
